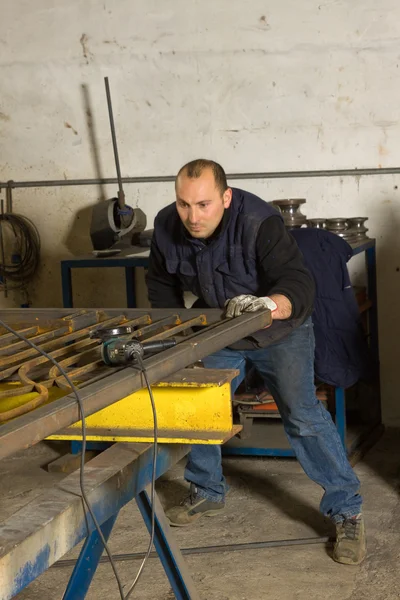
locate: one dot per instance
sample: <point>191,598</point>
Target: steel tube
<point>230,176</point>
<point>31,428</point>
<point>208,550</point>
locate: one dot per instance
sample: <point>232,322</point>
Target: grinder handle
<point>157,346</point>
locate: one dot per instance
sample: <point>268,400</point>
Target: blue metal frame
<point>129,263</point>
<point>167,550</point>
<point>166,547</point>
<point>340,400</point>
<point>253,451</point>
<point>87,562</point>
<point>76,446</point>
<point>340,414</point>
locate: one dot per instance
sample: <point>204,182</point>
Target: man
<point>231,249</point>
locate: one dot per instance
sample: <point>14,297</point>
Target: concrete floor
<point>270,499</point>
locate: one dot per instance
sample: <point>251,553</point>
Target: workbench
<point>129,259</point>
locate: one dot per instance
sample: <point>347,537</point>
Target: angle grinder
<point>117,350</point>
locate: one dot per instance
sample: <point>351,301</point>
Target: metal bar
<point>10,351</point>
<point>167,548</point>
<point>130,285</point>
<point>340,414</point>
<point>370,258</point>
<point>87,563</point>
<point>137,259</point>
<point>121,201</point>
<point>9,205</point>
<point>239,451</point>
<point>3,258</point>
<point>45,529</point>
<point>10,337</point>
<point>170,320</point>
<point>30,316</point>
<point>230,176</point>
<point>128,556</point>
<point>363,246</point>
<point>47,420</point>
<point>66,285</point>
<point>200,320</point>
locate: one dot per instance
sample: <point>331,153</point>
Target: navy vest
<point>224,268</point>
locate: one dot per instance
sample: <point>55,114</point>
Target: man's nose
<point>193,215</point>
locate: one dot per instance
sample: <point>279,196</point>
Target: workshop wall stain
<point>382,150</point>
<point>87,55</point>
<point>69,126</point>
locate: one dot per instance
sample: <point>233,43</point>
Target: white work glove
<point>247,303</point>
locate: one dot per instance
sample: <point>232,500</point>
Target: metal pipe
<point>230,176</point>
<point>121,195</point>
<point>3,258</point>
<point>207,550</point>
<point>9,198</point>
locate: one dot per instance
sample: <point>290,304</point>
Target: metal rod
<point>207,550</point>
<point>9,197</point>
<point>121,195</point>
<point>3,259</point>
<point>230,176</point>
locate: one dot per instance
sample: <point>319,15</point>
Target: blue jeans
<point>287,368</point>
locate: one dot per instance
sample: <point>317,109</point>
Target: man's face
<point>200,204</point>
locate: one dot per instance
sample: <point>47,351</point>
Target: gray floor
<point>270,499</point>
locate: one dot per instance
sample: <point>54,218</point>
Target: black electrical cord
<point>27,251</point>
<point>153,475</point>
<point>82,463</point>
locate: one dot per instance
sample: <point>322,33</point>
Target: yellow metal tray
<point>193,406</point>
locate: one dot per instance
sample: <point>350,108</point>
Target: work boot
<point>350,547</point>
<point>192,508</point>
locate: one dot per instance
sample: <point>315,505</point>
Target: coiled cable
<point>21,265</point>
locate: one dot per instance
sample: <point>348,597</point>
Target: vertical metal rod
<point>340,414</point>
<point>9,197</point>
<point>121,195</point>
<point>3,260</point>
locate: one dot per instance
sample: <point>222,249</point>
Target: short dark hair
<point>195,168</point>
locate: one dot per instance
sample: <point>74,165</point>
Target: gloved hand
<point>247,303</point>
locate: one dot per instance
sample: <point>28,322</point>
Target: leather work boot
<point>192,509</point>
<point>350,547</point>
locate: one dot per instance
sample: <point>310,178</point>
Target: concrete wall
<point>258,86</point>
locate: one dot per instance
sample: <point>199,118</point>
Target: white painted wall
<point>258,86</point>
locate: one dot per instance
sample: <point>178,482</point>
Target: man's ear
<point>227,197</point>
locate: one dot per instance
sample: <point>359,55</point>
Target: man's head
<point>202,195</point>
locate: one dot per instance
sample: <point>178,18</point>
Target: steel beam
<point>31,428</point>
<point>40,533</point>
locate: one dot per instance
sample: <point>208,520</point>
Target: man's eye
<point>202,205</point>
